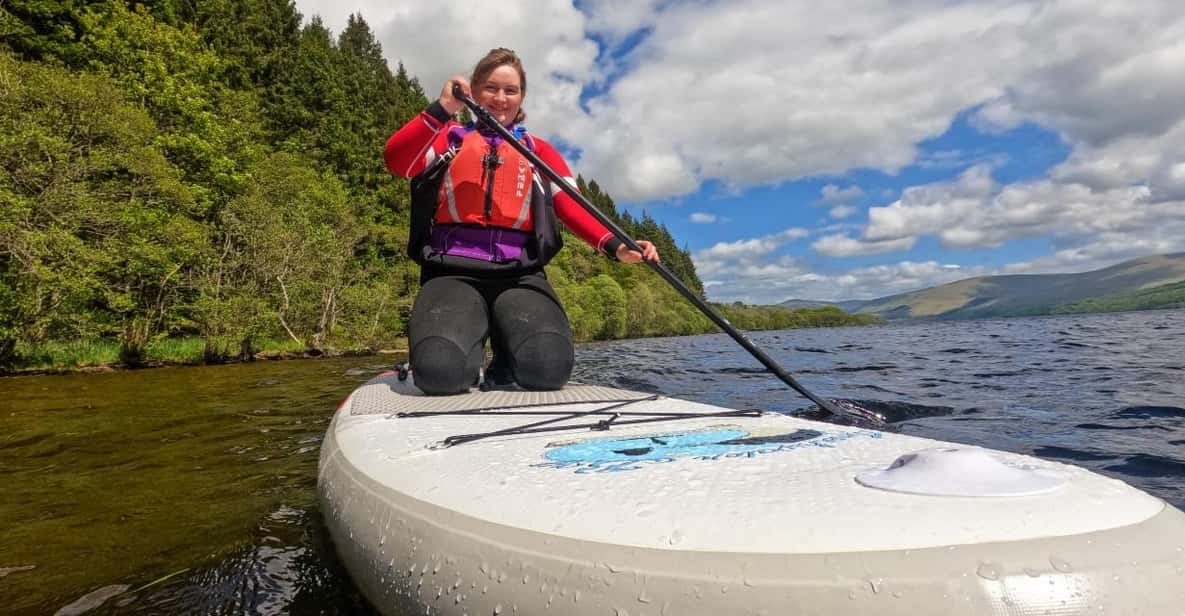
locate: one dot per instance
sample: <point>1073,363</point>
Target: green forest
<point>203,181</point>
<point>1166,296</point>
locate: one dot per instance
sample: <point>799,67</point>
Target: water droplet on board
<point>988,571</point>
<point>497,609</point>
<point>642,598</point>
<point>1032,572</point>
<point>1060,564</point>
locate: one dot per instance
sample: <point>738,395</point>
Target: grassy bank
<point>83,355</point>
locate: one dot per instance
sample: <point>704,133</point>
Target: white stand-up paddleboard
<point>718,514</point>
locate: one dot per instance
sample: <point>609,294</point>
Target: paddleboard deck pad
<point>595,500</point>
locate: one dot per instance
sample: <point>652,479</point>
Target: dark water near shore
<point>192,490</point>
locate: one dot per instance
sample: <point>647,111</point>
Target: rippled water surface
<point>192,490</point>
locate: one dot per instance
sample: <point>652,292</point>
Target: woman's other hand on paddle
<point>450,103</point>
<point>649,253</point>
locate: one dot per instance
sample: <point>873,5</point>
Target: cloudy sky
<point>844,150</point>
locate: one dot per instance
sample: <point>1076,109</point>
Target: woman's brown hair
<point>492,60</point>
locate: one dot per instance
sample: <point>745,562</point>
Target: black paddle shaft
<point>485,117</point>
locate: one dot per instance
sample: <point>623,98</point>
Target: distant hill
<point>1138,284</point>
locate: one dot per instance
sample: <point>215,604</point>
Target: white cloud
<point>842,211</point>
<point>702,218</point>
<point>973,211</point>
<point>787,278</point>
<point>996,116</point>
<point>834,195</point>
<point>750,271</point>
<point>764,92</point>
<point>747,249</point>
<point>931,208</point>
<point>840,245</point>
<point>615,20</point>
<point>960,159</point>
<point>759,91</point>
<point>1107,249</point>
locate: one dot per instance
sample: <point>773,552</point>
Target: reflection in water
<point>128,477</point>
<point>193,489</point>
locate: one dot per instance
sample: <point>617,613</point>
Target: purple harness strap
<point>492,244</point>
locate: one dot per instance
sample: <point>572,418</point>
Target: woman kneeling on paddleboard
<point>483,225</point>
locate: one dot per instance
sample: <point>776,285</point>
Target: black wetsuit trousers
<point>454,315</point>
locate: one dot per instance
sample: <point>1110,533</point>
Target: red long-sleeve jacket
<point>425,137</point>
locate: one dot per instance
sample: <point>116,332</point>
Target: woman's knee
<point>543,360</point>
<point>447,333</point>
<point>446,306</point>
<point>536,334</point>
<point>441,367</point>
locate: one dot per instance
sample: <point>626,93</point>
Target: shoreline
<point>262,356</point>
<point>280,355</point>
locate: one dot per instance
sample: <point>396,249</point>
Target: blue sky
<point>827,152</point>
<point>1026,152</point>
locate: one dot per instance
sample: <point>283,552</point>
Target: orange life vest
<point>486,185</point>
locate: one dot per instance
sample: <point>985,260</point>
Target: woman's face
<point>501,94</point>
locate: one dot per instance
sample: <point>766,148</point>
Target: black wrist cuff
<point>437,111</point>
<point>611,246</point>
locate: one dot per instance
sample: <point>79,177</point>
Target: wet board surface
<point>713,484</point>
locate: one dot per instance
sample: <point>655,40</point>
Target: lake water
<point>192,490</point>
